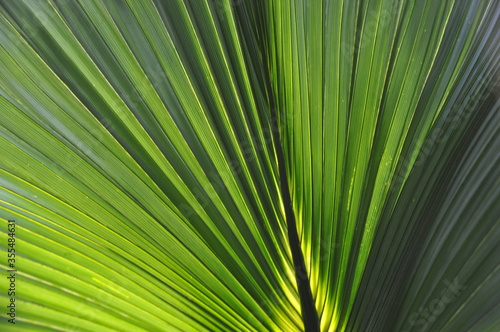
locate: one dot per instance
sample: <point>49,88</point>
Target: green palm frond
<point>234,165</point>
<point>367,86</point>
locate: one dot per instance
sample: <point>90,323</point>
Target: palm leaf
<point>362,109</point>
<point>227,165</point>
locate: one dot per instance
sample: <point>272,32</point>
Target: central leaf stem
<point>309,314</point>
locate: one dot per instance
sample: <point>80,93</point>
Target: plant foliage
<point>251,165</point>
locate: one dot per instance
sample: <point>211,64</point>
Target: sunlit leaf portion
<point>139,166</point>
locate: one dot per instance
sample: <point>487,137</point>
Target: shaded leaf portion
<point>365,87</point>
<point>438,256</point>
<point>138,163</point>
